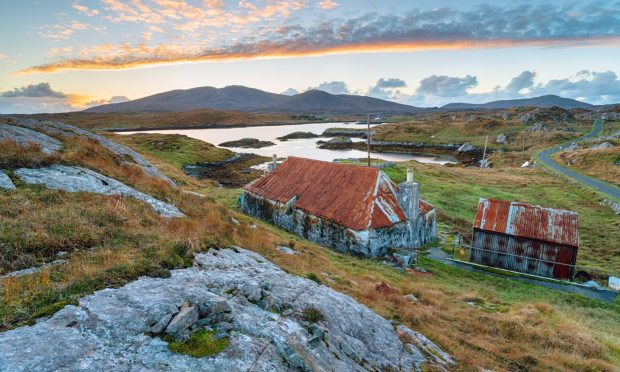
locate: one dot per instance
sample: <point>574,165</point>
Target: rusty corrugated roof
<point>357,197</point>
<point>528,221</point>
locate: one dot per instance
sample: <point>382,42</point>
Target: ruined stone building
<point>352,209</point>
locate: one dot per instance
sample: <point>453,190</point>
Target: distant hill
<point>542,101</point>
<point>240,98</point>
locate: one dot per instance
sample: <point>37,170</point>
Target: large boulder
<point>64,130</point>
<point>109,330</point>
<point>5,182</point>
<point>23,136</point>
<point>74,179</point>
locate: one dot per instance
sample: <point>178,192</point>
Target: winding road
<point>546,159</point>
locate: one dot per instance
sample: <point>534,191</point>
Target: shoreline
<point>215,126</point>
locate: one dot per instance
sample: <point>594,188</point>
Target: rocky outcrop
<point>602,146</point>
<point>247,143</point>
<point>63,129</point>
<point>615,207</point>
<point>74,179</point>
<point>502,139</point>
<point>323,329</point>
<point>546,115</point>
<point>298,135</point>
<point>5,182</point>
<point>23,136</point>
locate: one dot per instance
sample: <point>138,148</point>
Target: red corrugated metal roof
<point>355,196</point>
<point>528,221</point>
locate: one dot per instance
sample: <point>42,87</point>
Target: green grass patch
<point>200,344</point>
<point>176,149</point>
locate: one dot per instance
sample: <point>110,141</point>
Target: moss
<point>312,314</point>
<point>200,344</point>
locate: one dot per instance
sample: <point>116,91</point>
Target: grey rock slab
<point>183,320</point>
<point>23,136</point>
<point>161,325</point>
<point>466,147</point>
<point>108,330</point>
<point>5,182</point>
<point>75,179</point>
<point>286,250</point>
<point>64,130</point>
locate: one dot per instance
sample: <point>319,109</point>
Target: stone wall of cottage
<point>368,243</point>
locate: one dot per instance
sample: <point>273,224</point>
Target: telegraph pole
<point>484,154</point>
<point>368,137</point>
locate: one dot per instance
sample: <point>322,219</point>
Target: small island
<point>247,143</point>
<point>336,143</point>
<point>298,135</point>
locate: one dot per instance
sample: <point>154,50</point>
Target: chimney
<point>274,163</point>
<point>409,196</point>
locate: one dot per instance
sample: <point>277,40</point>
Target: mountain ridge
<point>245,99</point>
<point>240,98</point>
<point>548,100</point>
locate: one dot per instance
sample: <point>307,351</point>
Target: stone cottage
<point>352,209</point>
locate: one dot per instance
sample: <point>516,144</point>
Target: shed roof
<point>355,196</point>
<point>528,221</point>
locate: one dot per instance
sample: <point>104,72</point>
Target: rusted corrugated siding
<point>425,207</point>
<point>521,254</point>
<point>354,196</point>
<point>528,221</point>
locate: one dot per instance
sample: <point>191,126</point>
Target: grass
<point>455,192</point>
<point>511,326</point>
<point>200,344</point>
<point>175,149</point>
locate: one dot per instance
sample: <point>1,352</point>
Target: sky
<point>65,55</point>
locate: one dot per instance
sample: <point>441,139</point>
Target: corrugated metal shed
<point>357,197</point>
<point>525,238</point>
<point>528,221</point>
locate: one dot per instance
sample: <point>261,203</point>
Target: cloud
<point>33,90</point>
<point>3,56</point>
<point>327,4</point>
<point>590,86</point>
<point>522,81</point>
<point>391,83</point>
<point>62,31</point>
<point>484,26</point>
<point>446,86</point>
<point>290,92</point>
<point>32,105</point>
<point>387,89</point>
<point>84,9</point>
<point>333,87</point>
<point>37,98</point>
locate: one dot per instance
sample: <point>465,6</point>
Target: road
<point>546,159</point>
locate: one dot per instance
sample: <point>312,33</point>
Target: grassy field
<point>483,321</point>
